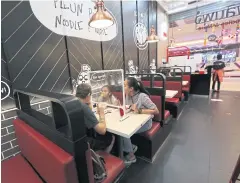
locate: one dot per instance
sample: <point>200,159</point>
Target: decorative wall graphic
<point>153,67</point>
<point>140,34</point>
<point>5,90</point>
<point>82,76</point>
<point>71,18</point>
<point>132,69</point>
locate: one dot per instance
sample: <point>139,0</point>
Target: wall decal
<point>71,18</point>
<point>82,77</point>
<point>153,66</point>
<point>5,90</point>
<point>140,34</point>
<point>132,69</point>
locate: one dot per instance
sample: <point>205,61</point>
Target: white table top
<point>184,83</point>
<point>127,127</point>
<point>171,93</point>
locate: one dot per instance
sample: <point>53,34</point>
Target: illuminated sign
<point>228,12</point>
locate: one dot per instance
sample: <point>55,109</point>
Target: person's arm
<point>116,101</point>
<point>144,111</point>
<point>101,126</point>
<point>92,122</point>
<point>151,108</point>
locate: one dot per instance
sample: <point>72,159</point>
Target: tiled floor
<point>203,147</point>
<point>230,84</point>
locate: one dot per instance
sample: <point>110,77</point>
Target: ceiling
<point>175,6</point>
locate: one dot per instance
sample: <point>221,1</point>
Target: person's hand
<point>134,108</point>
<point>100,110</point>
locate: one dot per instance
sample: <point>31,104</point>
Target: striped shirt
<point>142,101</point>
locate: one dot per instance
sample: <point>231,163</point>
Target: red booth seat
<point>172,100</point>
<point>53,164</point>
<point>151,132</point>
<point>18,170</point>
<point>119,96</point>
<point>186,89</point>
<point>170,85</point>
<point>167,114</point>
<point>114,166</point>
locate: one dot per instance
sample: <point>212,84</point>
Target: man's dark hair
<point>219,56</point>
<point>83,90</point>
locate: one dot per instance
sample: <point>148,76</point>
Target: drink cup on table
<point>121,112</point>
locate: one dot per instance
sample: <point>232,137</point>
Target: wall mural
<point>82,77</point>
<point>132,69</point>
<point>153,67</point>
<point>140,34</point>
<point>71,18</point>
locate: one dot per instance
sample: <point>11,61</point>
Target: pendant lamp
<point>101,19</point>
<point>172,40</point>
<point>152,38</point>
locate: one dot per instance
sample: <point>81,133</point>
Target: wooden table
<point>125,128</point>
<point>171,93</point>
<point>184,83</point>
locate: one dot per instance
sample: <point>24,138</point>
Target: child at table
<point>138,98</point>
<point>107,96</point>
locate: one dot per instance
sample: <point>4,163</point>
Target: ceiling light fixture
<point>172,40</point>
<point>152,38</point>
<point>102,18</point>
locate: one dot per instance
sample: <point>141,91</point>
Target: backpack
<point>99,170</point>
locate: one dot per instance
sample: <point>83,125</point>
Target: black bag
<point>99,170</point>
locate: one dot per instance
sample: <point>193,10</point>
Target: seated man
<point>103,142</point>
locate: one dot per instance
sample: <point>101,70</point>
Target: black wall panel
<point>113,50</point>
<point>6,85</point>
<point>129,20</point>
<point>153,21</point>
<point>81,52</point>
<point>35,55</point>
<point>143,18</point>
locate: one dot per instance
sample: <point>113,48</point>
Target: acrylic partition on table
<point>108,87</point>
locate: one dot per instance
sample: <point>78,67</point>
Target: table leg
<point>120,147</point>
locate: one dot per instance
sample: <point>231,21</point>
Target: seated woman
<point>138,98</point>
<point>107,96</point>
